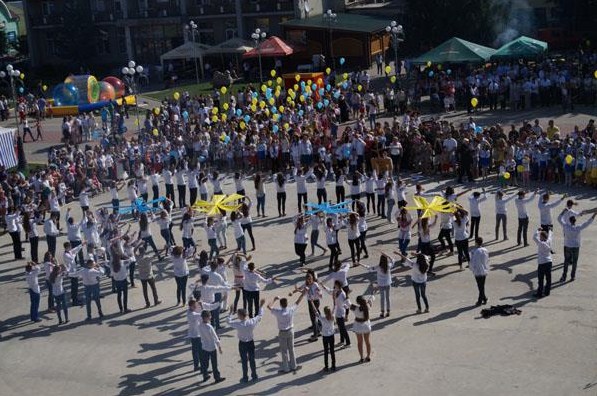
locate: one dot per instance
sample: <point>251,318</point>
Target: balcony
<point>268,7</point>
<point>207,10</point>
<point>155,13</point>
<point>105,16</point>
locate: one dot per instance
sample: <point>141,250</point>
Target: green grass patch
<point>192,89</point>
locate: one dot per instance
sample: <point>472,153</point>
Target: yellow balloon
<point>319,81</point>
<point>428,63</point>
<point>281,109</point>
<point>328,70</point>
<point>388,69</point>
<point>520,168</point>
<point>155,132</point>
<point>302,98</point>
<point>295,87</point>
<point>214,118</point>
<point>223,90</point>
<point>279,80</point>
<point>156,110</point>
<point>595,74</point>
<point>474,102</point>
<point>266,112</point>
<point>224,117</point>
<point>359,87</point>
<point>309,82</point>
<point>226,106</point>
<point>214,110</point>
<point>272,101</point>
<point>297,77</point>
<point>275,117</point>
<point>289,99</point>
<point>22,76</point>
<point>243,125</point>
<point>272,73</point>
<point>45,88</point>
<point>254,101</point>
<point>270,83</point>
<point>345,76</point>
<point>253,108</point>
<point>262,104</point>
<point>176,95</point>
<point>506,175</point>
<point>286,126</point>
<point>263,88</point>
<point>569,159</point>
<point>393,79</point>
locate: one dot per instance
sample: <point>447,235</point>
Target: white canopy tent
<point>234,47</point>
<point>188,50</point>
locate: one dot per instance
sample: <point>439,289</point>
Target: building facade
<point>145,29</point>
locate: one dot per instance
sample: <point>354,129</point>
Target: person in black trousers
<point>246,345</point>
<point>13,218</point>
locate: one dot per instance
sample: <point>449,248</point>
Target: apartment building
<point>145,29</point>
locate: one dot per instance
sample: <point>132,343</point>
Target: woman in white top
<point>202,181</point>
<point>390,194</point>
<point>404,220</point>
<point>461,223</point>
<point>501,212</point>
<point>362,326</point>
<point>380,188</point>
<point>165,223</point>
<point>13,226</point>
<point>281,193</point>
<point>425,246</point>
<point>167,174</point>
<point>327,331</point>
<point>300,238</point>
<point>370,192</point>
<point>331,239</point>
<point>32,272</point>
<point>238,261</point>
<point>354,237</point>
<point>186,225</point>
<point>384,281</point>
<point>340,179</point>
<point>211,233</point>
<point>251,288</point>
<point>239,234</point>
<point>260,192</point>
<point>355,189</point>
<point>315,222</point>
<point>132,193</point>
<point>115,199</point>
<point>216,181</point>
<point>238,183</point>
<point>401,193</point>
<point>119,270</point>
<point>300,178</point>
<point>145,234</point>
<point>221,226</point>
<point>341,306</point>
<point>418,276</point>
<point>181,274</point>
<point>181,184</point>
<point>363,227</point>
<point>193,185</point>
<point>246,221</point>
<point>321,174</point>
<point>56,277</point>
<point>30,227</point>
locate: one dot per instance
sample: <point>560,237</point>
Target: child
<point>327,331</point>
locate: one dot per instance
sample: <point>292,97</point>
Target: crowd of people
<point>264,139</point>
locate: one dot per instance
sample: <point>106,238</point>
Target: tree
<point>431,22</point>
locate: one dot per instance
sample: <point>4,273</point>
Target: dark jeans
<point>252,298</point>
<point>122,296</point>
<point>281,197</point>
<point>247,357</point>
<point>154,290</point>
<point>340,194</point>
<point>301,198</point>
<point>156,194</point>
<point>481,286</point>
<point>237,295</point>
<point>213,357</point>
<point>34,310</point>
<point>197,354</point>
<point>381,205</point>
<point>261,204</point>
<point>60,301</point>
<point>299,249</point>
<point>355,249</point>
<point>187,243</point>
<point>79,258</point>
<point>475,222</point>
<point>170,192</point>
<point>50,295</point>
<point>34,242</point>
<point>544,275</point>
<point>334,253</point>
<point>132,267</point>
<point>51,241</point>
<point>313,316</point>
<point>192,195</point>
<point>362,239</point>
<point>428,250</point>
<point>570,258</point>
<point>92,293</point>
<point>420,293</point>
<point>16,244</point>
<point>214,250</point>
<point>248,228</point>
<point>182,196</point>
<point>167,235</point>
<point>370,200</point>
<point>181,287</point>
<point>149,241</point>
<point>115,206</point>
<point>342,330</point>
<point>503,219</point>
<point>328,348</point>
<point>462,248</point>
<point>322,195</point>
<point>444,236</point>
<point>74,291</point>
<point>215,313</point>
<point>521,233</point>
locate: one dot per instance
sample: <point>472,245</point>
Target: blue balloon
<point>347,152</point>
<point>344,85</point>
<point>342,60</point>
<point>328,87</point>
<point>313,86</point>
<point>319,105</point>
<point>449,71</point>
<point>303,84</point>
<point>321,91</point>
<point>274,110</point>
<point>202,158</point>
<point>185,115</point>
<point>431,73</point>
<point>326,102</point>
<point>255,94</point>
<point>65,94</point>
<point>275,128</point>
<point>239,112</point>
<point>227,140</point>
<point>247,118</point>
<point>301,112</point>
<point>21,89</point>
<point>337,94</point>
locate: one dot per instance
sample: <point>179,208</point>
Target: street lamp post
<point>396,33</point>
<point>12,73</point>
<point>192,27</point>
<point>331,17</point>
<point>258,36</point>
<point>129,71</point>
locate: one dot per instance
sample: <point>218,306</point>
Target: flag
<point>8,158</point>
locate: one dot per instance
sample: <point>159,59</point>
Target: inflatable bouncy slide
<point>84,93</point>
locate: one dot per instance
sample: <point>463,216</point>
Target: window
<point>262,23</point>
<point>121,38</point>
<point>48,7</point>
<point>99,5</point>
<point>51,46</point>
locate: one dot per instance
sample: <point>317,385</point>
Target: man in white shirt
<point>572,241</point>
<point>246,346</point>
<point>523,217</point>
<point>479,266</point>
<point>69,258</point>
<point>284,316</point>
<point>209,343</point>
<point>91,277</point>
<point>543,240</point>
<point>475,211</point>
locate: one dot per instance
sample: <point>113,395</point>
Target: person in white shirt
<point>341,305</point>
<point>181,274</point>
<point>331,239</point>
<point>384,281</point>
<point>155,186</point>
<point>193,320</point>
<point>479,266</point>
<point>91,278</point>
<point>315,222</point>
<point>280,184</point>
<point>119,271</point>
<point>168,182</point>
<point>523,217</point>
<point>362,326</point>
<point>300,238</point>
<point>69,259</point>
<point>501,212</point>
<point>545,210</point>
<point>284,316</point>
<point>186,225</point>
<point>251,288</point>
<point>209,343</point>
<point>572,241</point>
<point>404,221</point>
<point>73,231</point>
<point>244,327</point>
<point>181,184</point>
<point>327,332</point>
<point>13,221</point>
<point>300,178</point>
<point>32,273</point>
<point>418,277</point>
<point>475,211</point>
<point>56,277</point>
<point>543,240</point>
<point>354,237</point>
<point>115,199</point>
<point>461,224</point>
<point>52,233</point>
<point>211,233</point>
<point>84,200</point>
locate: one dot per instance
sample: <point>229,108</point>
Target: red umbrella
<point>271,47</point>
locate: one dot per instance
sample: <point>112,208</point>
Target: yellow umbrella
<point>437,205</point>
<point>218,203</point>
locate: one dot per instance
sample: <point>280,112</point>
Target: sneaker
<point>426,310</point>
<point>244,380</point>
<point>367,359</point>
<point>254,379</point>
<point>563,279</point>
<point>419,311</point>
<point>206,378</point>
<point>158,302</point>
